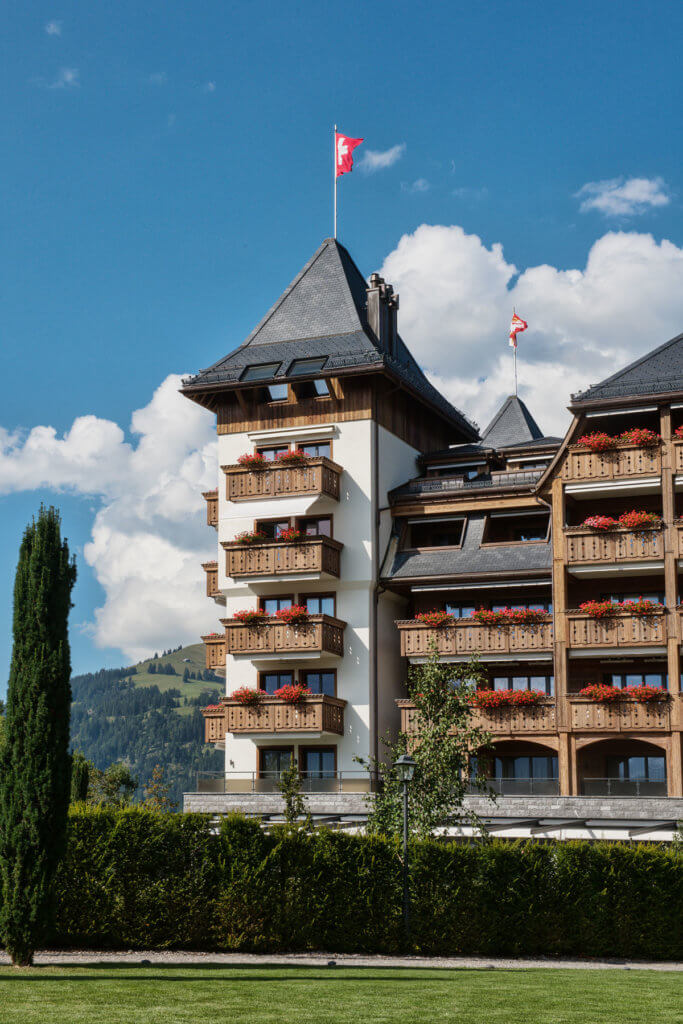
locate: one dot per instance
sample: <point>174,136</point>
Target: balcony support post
<point>559,603</point>
<point>564,765</point>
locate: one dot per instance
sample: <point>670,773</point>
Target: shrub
<point>436,619</point>
<point>138,879</point>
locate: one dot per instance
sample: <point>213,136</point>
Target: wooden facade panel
<point>584,545</point>
<point>468,637</point>
<point>317,476</point>
<point>311,555</point>
<point>214,725</point>
<point>211,498</point>
<point>211,570</point>
<point>311,714</point>
<point>320,633</point>
<point>620,630</point>
<point>215,651</point>
<point>624,461</point>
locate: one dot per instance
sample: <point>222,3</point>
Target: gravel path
<point>90,958</point>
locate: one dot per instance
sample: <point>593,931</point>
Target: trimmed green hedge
<point>138,879</point>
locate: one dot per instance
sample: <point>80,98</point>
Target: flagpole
<point>514,353</point>
<point>334,176</point>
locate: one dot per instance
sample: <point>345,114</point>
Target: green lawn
<point>202,995</point>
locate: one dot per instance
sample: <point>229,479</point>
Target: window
<point>273,760</point>
<point>272,452</point>
<point>317,449</point>
<point>318,762</point>
<point>443,533</point>
<point>272,528</point>
<point>260,371</point>
<point>460,611</point>
<point>315,526</point>
<point>277,392</point>
<point>274,604</point>
<point>320,682</point>
<point>650,767</point>
<point>546,684</point>
<point>312,389</point>
<point>300,367</point>
<point>525,767</point>
<point>622,679</point>
<point>319,604</point>
<point>620,598</point>
<point>516,529</point>
<point>269,682</point>
<point>534,606</point>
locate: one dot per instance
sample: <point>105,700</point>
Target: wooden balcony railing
<point>214,644</point>
<point>466,636</point>
<point>320,633</point>
<point>679,534</point>
<point>283,558</point>
<point>678,456</point>
<point>513,720</point>
<point>625,460</point>
<point>627,715</point>
<point>317,476</point>
<point>211,498</point>
<point>211,570</point>
<point>318,713</point>
<point>620,630</point>
<point>214,724</point>
<point>585,545</point>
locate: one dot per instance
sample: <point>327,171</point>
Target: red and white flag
<point>517,325</point>
<point>343,150</point>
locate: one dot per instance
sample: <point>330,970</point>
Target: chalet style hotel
<point>360,518</point>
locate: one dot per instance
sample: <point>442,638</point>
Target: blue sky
<point>167,170</point>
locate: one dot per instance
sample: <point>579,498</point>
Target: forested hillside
<point>148,714</point>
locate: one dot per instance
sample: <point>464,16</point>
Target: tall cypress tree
<point>35,767</point>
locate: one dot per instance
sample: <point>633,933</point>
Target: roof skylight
<point>260,371</point>
<point>311,365</point>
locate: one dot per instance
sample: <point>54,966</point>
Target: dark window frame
<point>247,378</point>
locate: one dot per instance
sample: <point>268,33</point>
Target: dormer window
<point>260,371</point>
<point>277,392</point>
<point>300,367</point>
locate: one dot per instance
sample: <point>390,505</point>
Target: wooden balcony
<point>585,546</point>
<point>678,455</point>
<point>321,634</point>
<point>509,721</point>
<point>214,644</point>
<point>620,630</point>
<point>627,715</point>
<point>214,724</point>
<point>315,714</point>
<point>211,498</point>
<point>466,636</point>
<point>319,476</point>
<point>312,555</point>
<point>211,570</point>
<point>626,460</point>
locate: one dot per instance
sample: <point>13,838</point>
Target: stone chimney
<point>382,313</point>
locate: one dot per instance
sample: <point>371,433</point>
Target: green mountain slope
<point>144,716</point>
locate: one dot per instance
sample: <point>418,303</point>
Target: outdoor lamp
<point>405,768</point>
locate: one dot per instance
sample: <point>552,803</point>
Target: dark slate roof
<point>512,424</point>
<point>323,313</point>
<point>660,371</point>
<point>539,442</point>
<point>471,558</point>
<point>524,479</point>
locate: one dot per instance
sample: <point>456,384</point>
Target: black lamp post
<point>405,769</point>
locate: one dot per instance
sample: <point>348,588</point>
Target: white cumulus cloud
<point>149,534</point>
<point>378,159</point>
<point>623,197</point>
<point>457,296</point>
<point>67,78</point>
<point>53,28</point>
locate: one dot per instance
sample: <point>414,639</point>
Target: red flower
<point>292,693</point>
<point>640,520</point>
<point>250,538</point>
<point>642,437</point>
<point>253,460</point>
<point>436,619</point>
<point>601,693</point>
<point>511,616</point>
<point>292,615</point>
<point>646,693</point>
<point>492,699</point>
<point>247,696</point>
<point>251,617</point>
<point>598,441</point>
<point>295,458</point>
<point>600,523</point>
<point>678,432</point>
<point>599,609</point>
<point>290,535</point>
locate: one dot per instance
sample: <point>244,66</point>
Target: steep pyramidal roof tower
<point>512,424</point>
<point>331,315</point>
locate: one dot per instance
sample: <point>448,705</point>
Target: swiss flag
<point>343,149</point>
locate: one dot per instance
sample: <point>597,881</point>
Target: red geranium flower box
<point>436,619</point>
<point>247,538</point>
<point>296,458</point>
<point>251,617</point>
<point>492,699</point>
<point>253,460</point>
<point>296,613</point>
<point>247,696</point>
<point>292,693</point>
